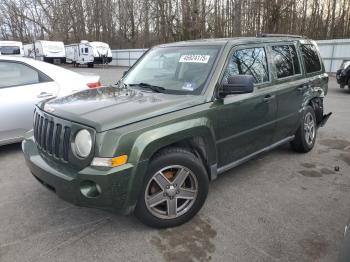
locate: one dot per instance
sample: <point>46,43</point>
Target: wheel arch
<point>195,135</point>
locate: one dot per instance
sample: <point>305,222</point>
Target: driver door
<point>245,123</point>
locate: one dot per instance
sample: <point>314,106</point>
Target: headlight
<point>83,143</point>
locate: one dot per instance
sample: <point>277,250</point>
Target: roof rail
<point>277,35</point>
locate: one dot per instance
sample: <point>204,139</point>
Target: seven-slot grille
<point>51,136</point>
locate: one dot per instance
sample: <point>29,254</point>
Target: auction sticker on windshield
<point>194,59</point>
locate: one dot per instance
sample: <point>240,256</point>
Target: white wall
<point>333,52</point>
<point>126,57</point>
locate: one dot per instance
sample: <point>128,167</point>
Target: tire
<point>172,164</point>
<point>90,65</point>
<point>305,136</point>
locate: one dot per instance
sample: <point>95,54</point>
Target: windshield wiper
<point>154,88</point>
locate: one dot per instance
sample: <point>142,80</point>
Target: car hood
<point>111,107</point>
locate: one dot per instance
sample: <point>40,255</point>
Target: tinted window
<point>250,61</point>
<point>311,60</point>
<point>15,74</point>
<point>10,50</point>
<point>286,60</point>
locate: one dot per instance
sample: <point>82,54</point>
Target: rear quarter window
<point>311,59</point>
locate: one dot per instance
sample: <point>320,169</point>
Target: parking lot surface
<point>282,206</point>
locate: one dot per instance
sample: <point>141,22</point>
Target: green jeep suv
<point>184,113</point>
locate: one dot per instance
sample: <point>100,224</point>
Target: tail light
<point>94,85</point>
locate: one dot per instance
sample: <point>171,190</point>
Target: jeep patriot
<point>183,114</point>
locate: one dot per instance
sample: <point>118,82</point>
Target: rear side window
<point>250,61</point>
<point>311,59</point>
<point>286,60</point>
<point>17,74</point>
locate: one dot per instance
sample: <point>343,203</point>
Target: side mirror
<point>239,84</point>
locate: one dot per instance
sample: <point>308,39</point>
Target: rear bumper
<point>104,189</point>
<point>55,60</point>
<point>102,60</point>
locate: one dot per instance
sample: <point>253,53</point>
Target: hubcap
<point>171,192</point>
<point>309,128</point>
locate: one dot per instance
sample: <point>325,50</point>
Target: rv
<point>11,48</point>
<point>28,50</point>
<point>102,53</point>
<point>80,54</point>
<point>88,53</point>
<point>48,51</point>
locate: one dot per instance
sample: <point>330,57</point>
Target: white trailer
<point>102,52</point>
<point>48,51</point>
<point>14,48</point>
<point>80,54</point>
<point>28,50</point>
<point>88,53</point>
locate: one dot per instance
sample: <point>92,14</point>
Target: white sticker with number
<point>194,59</point>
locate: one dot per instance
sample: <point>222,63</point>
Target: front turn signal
<point>109,162</point>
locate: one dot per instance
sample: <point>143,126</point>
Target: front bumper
<point>341,79</point>
<point>114,184</point>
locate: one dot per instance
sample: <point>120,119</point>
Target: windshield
<point>346,64</point>
<point>9,50</point>
<point>176,70</point>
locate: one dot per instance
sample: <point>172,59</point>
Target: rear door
<point>21,87</point>
<point>244,123</point>
<point>288,87</point>
<point>315,75</point>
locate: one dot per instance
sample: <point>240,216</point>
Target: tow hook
<point>324,119</point>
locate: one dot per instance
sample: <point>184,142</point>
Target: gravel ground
<point>281,206</point>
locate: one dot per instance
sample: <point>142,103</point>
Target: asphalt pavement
<point>282,206</point>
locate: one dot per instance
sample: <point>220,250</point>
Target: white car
<point>25,82</point>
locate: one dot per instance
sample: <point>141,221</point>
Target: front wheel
<point>174,189</point>
<point>305,136</point>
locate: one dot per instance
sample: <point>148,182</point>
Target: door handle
<point>268,98</point>
<point>44,94</point>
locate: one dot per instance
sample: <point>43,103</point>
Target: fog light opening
<point>90,189</point>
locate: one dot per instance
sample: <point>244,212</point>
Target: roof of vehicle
<point>236,40</point>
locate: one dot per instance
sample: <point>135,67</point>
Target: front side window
<point>10,50</point>
<point>15,74</point>
<point>177,70</point>
<point>250,61</point>
<point>286,60</point>
<point>311,59</point>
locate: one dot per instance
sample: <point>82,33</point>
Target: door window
<point>286,60</point>
<point>17,74</point>
<point>311,59</point>
<point>249,61</point>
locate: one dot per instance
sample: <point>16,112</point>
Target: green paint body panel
<point>138,124</point>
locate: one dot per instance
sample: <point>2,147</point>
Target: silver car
<point>23,83</point>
